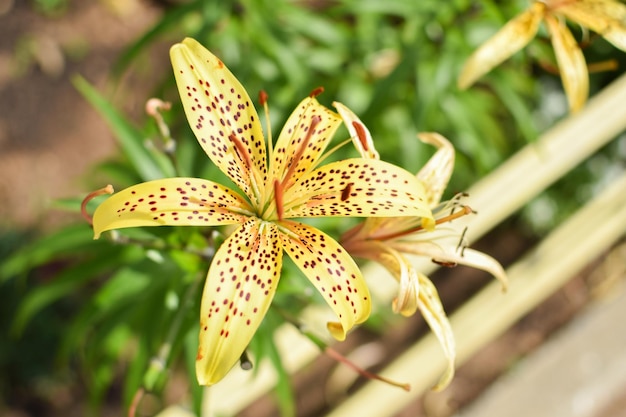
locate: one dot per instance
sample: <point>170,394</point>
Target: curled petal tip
<point>336,330</point>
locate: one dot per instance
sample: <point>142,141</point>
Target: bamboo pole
<point>582,238</point>
<point>495,197</point>
<point>530,171</point>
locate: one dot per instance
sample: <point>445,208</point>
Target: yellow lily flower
<point>388,240</point>
<point>245,270</point>
<point>606,17</point>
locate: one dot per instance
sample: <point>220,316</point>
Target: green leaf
<point>68,281</point>
<point>70,240</point>
<point>170,19</point>
<point>504,83</point>
<point>190,351</point>
<point>123,285</point>
<point>129,137</point>
<point>283,390</point>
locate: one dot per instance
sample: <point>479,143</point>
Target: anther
<point>263,97</point>
<point>83,207</point>
<point>315,120</point>
<point>316,92</point>
<point>446,264</point>
<point>461,244</point>
<point>345,193</point>
<point>362,135</point>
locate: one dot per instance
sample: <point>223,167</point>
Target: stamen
<point>362,135</point>
<point>461,244</point>
<point>266,109</point>
<point>278,196</point>
<point>465,210</point>
<point>315,120</point>
<point>221,208</point>
<point>602,66</point>
<point>369,375</point>
<point>333,150</point>
<point>134,404</point>
<point>83,207</point>
<point>316,92</point>
<point>241,150</point>
<point>154,107</point>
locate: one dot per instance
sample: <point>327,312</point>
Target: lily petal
<point>359,133</point>
<point>298,148</point>
<point>332,271</point>
<point>438,170</point>
<point>606,17</point>
<point>357,187</point>
<point>221,115</point>
<point>450,254</point>
<point>484,262</point>
<point>507,41</point>
<point>571,62</point>
<point>170,202</point>
<point>239,288</point>
<point>406,302</point>
<point>400,268</point>
<point>416,292</point>
<point>434,314</point>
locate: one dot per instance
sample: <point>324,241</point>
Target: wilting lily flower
<point>388,240</point>
<point>278,184</point>
<point>606,17</point>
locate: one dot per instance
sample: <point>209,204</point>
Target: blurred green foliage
<point>118,303</point>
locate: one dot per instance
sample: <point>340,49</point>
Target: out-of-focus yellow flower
<point>387,240</point>
<point>606,17</point>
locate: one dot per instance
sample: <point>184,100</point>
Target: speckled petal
<point>218,107</point>
<point>400,268</point>
<point>240,286</point>
<point>333,272</point>
<point>438,170</point>
<point>359,133</point>
<point>430,306</point>
<point>358,188</point>
<point>454,255</point>
<point>406,302</point>
<point>170,202</point>
<point>296,152</point>
<point>507,41</point>
<point>571,62</point>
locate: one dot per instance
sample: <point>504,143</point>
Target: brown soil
<point>49,135</point>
